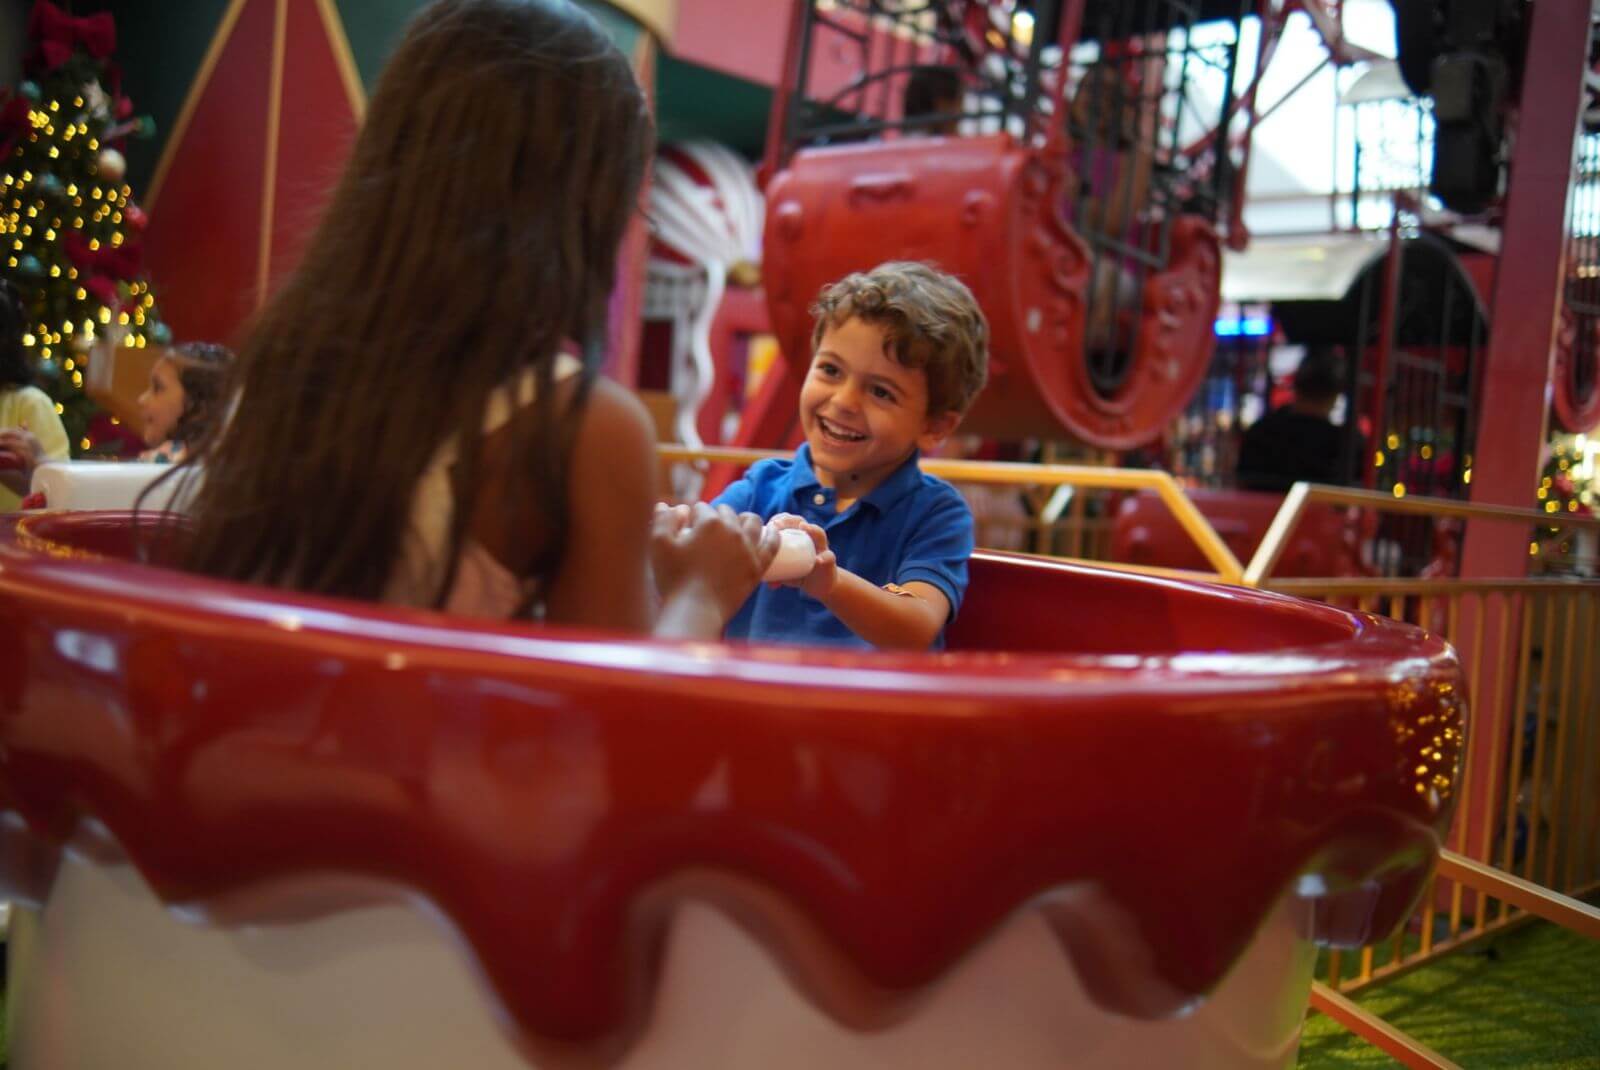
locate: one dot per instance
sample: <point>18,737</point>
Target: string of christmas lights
<point>70,230</point>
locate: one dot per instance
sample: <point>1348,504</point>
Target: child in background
<point>899,353</point>
<point>409,428</point>
<point>181,403</point>
<point>933,100</point>
<point>30,429</point>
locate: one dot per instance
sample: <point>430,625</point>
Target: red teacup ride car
<point>1107,827</point>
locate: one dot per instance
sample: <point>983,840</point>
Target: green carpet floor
<point>1533,1004</point>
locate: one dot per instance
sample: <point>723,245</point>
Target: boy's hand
<point>820,581</point>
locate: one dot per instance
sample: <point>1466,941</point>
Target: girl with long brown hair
<point>408,425</point>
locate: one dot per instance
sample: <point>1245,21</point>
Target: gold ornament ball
<point>112,165</point>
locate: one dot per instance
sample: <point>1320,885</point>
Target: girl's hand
<point>819,582</point>
<point>714,555</point>
<point>20,440</point>
<point>666,525</point>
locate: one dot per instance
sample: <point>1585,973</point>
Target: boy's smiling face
<point>862,411</point>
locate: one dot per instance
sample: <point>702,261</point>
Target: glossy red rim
<point>554,792</point>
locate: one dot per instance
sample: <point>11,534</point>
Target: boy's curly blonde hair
<point>930,321</point>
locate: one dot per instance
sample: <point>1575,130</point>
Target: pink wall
<point>734,36</point>
<point>746,38</point>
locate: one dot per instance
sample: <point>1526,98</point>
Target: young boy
<point>898,354</point>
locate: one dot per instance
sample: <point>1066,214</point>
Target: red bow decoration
<point>117,262</point>
<point>59,34</point>
<point>104,290</point>
<point>13,124</point>
<point>14,115</point>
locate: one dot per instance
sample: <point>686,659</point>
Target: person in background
<point>30,429</point>
<point>932,93</point>
<point>1298,441</point>
<point>1108,191</point>
<point>182,402</point>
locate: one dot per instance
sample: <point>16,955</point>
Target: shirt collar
<point>884,496</point>
<point>901,482</point>
<point>802,475</point>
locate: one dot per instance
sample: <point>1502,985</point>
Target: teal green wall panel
<point>696,102</point>
<point>374,28</point>
<point>159,47</point>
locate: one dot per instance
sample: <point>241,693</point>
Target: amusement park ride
<point>1101,309</point>
<point>251,828</point>
<point>1084,182</point>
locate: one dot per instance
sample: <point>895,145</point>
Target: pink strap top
<point>483,587</point>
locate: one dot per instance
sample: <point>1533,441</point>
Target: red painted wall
<point>209,217</point>
<point>205,216</point>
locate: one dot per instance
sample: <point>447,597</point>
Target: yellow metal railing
<point>1564,910</point>
<point>1526,841</point>
<point>1528,807</point>
<point>1226,566</point>
<point>1379,1033</point>
<point>1301,495</point>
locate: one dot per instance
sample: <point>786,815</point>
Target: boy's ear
<point>937,429</point>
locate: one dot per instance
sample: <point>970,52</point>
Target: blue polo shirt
<point>912,527</point>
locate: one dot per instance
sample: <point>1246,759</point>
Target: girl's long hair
<point>474,231</point>
<point>202,369</point>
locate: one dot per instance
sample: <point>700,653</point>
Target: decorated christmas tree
<point>1568,485</point>
<point>69,227</point>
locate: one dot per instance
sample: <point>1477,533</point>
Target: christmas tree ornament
<point>143,127</point>
<point>134,218</point>
<point>29,267</point>
<point>112,165</point>
<point>15,123</point>
<point>30,91</point>
<point>103,290</point>
<point>50,186</point>
<point>159,334</point>
<point>98,103</point>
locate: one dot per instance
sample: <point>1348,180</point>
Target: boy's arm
<point>929,581</point>
<point>908,620</point>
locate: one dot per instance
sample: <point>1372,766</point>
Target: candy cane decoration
<point>708,214</point>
